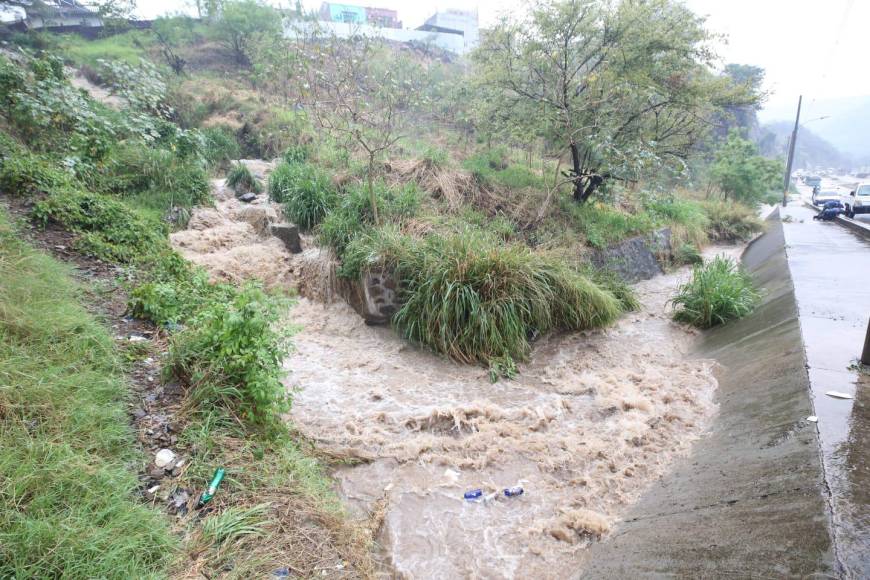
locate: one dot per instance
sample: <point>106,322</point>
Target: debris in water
<point>513,491</point>
<point>281,573</point>
<point>839,395</point>
<point>136,338</point>
<point>248,197</point>
<point>473,494</point>
<point>813,419</point>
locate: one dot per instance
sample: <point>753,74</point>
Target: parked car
<point>858,201</point>
<point>820,197</point>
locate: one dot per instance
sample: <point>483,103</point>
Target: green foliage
<point>475,299</point>
<point>719,291</point>
<point>240,22</point>
<point>27,175</point>
<point>128,47</point>
<point>688,254</point>
<point>305,190</point>
<point>231,355</point>
<point>67,493</point>
<point>493,168</point>
<point>742,174</point>
<point>731,221</point>
<point>141,86</point>
<point>108,229</point>
<point>297,154</point>
<point>221,146</point>
<point>235,523</point>
<point>353,216</point>
<point>687,219</point>
<point>604,225</point>
<point>241,180</point>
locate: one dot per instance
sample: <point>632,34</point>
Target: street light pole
<point>791,145</point>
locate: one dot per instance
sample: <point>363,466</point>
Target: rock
<point>289,234</point>
<point>248,197</point>
<point>164,457</point>
<point>138,413</point>
<point>157,473</point>
<point>636,258</point>
<point>373,296</point>
<point>178,501</point>
<point>259,216</point>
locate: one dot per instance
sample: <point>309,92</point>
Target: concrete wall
<point>749,500</point>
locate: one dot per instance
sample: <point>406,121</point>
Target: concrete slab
<point>749,501</point>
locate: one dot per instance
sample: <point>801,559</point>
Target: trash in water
<point>813,419</point>
<point>212,487</point>
<point>513,491</point>
<point>281,573</point>
<point>473,494</point>
<point>839,395</point>
<point>164,457</point>
<point>136,338</point>
<point>491,497</point>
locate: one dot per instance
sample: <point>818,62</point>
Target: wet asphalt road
<point>830,267</point>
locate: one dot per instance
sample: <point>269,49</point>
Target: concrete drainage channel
<point>751,499</point>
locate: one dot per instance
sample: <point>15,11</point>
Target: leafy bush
<point>108,229</point>
<point>719,291</point>
<point>241,180</point>
<point>231,354</point>
<point>742,174</point>
<point>475,299</point>
<point>305,190</point>
<point>731,221</point>
<point>27,175</point>
<point>296,154</point>
<point>172,291</point>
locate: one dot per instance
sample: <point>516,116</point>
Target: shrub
<point>296,154</point>
<point>730,221</point>
<point>108,229</point>
<point>305,190</point>
<point>353,215</point>
<point>604,225</point>
<point>475,299</point>
<point>231,355</point>
<point>719,291</point>
<point>492,168</point>
<point>27,175</point>
<point>241,180</point>
<point>221,146</point>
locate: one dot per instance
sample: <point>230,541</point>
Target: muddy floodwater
<point>590,422</point>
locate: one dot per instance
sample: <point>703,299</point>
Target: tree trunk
<point>372,199</point>
<point>576,171</point>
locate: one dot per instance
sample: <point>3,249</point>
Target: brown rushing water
<point>591,421</point>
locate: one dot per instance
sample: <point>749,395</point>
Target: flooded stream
<point>591,421</point>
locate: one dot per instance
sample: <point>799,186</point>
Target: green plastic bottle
<point>212,487</point>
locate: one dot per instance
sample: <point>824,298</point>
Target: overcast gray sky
<point>818,48</point>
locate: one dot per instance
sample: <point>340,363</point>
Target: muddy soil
<point>592,420</point>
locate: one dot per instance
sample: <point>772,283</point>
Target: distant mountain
<point>847,126</point>
<point>812,150</point>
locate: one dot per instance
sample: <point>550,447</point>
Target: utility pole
<point>791,145</point>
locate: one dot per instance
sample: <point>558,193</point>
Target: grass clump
<point>493,168</point>
<point>731,221</point>
<point>231,356</point>
<point>67,494</point>
<point>108,229</point>
<point>305,190</point>
<point>220,146</point>
<point>603,225</point>
<point>719,291</point>
<point>475,299</point>
<point>241,180</point>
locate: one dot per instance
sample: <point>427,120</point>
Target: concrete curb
<point>854,225</point>
<point>749,501</point>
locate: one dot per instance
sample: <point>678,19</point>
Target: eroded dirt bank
<point>593,419</point>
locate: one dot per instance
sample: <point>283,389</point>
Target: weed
<point>27,175</point>
<point>297,154</point>
<point>221,146</point>
<point>732,221</point>
<point>235,523</point>
<point>719,291</point>
<point>604,225</point>
<point>241,180</point>
<point>305,190</point>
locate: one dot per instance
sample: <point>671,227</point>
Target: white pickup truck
<point>858,201</point>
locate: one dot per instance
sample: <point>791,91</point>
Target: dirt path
<point>591,421</point>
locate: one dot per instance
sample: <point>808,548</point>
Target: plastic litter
<point>813,419</point>
<point>473,494</point>
<point>513,491</point>
<point>839,395</point>
<point>212,487</point>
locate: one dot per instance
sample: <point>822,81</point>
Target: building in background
<point>56,15</point>
<point>455,31</point>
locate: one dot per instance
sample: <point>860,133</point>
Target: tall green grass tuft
<point>475,299</point>
<point>731,221</point>
<point>305,190</point>
<point>68,503</point>
<point>719,291</point>
<point>241,180</point>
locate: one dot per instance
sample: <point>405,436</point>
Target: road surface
<point>830,267</point>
